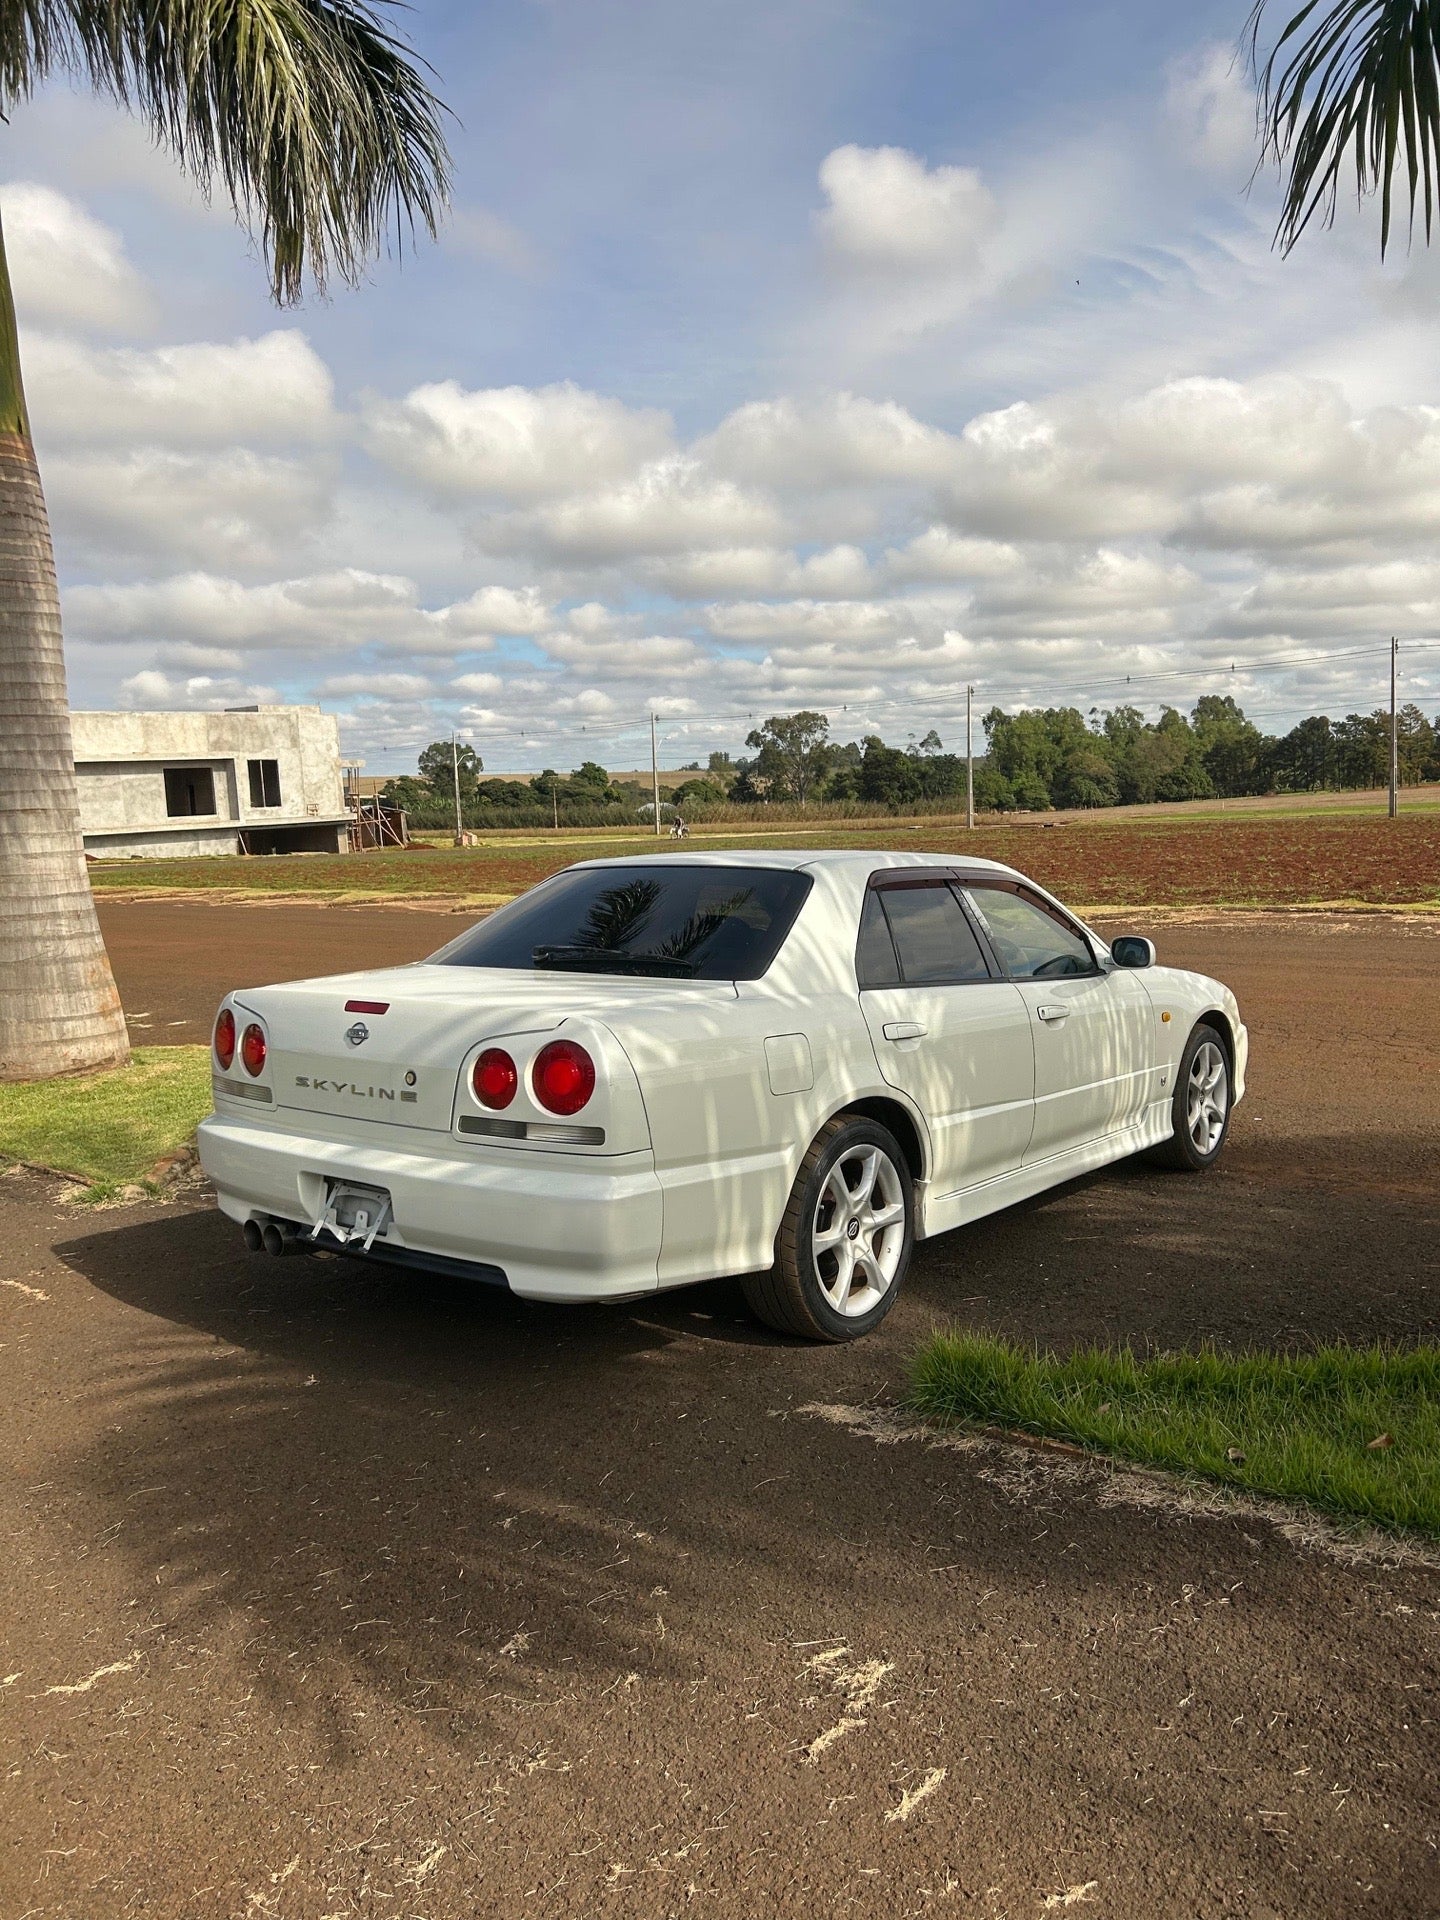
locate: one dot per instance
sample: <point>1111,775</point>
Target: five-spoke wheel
<point>1207,1097</point>
<point>844,1244</point>
<point>1200,1109</point>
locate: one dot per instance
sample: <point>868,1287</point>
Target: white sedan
<point>647,1072</point>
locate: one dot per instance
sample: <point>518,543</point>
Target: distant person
<point>679,830</point>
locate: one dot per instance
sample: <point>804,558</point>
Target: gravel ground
<point>331,1593</point>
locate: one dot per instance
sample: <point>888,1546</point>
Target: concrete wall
<point>121,758</point>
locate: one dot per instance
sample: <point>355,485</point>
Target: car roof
<point>795,857</point>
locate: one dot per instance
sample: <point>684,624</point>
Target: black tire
<point>1183,1152</point>
<point>793,1297</point>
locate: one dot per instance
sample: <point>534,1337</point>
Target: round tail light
<point>495,1078</point>
<point>225,1039</point>
<point>564,1077</point>
<point>252,1049</point>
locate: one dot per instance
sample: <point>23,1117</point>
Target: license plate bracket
<point>353,1212</point>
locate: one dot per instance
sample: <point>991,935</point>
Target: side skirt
<point>942,1211</point>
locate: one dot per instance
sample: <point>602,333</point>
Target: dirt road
<point>334,1593</point>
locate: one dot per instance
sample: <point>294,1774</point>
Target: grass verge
<point>1353,1431</point>
<point>109,1129</point>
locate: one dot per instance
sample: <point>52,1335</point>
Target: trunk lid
<point>403,1068</point>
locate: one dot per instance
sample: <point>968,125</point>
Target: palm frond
<point>1357,78</point>
<point>317,120</point>
<point>618,915</point>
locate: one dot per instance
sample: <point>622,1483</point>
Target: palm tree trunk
<point>59,1010</point>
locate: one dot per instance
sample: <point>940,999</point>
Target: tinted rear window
<point>932,936</point>
<point>686,923</point>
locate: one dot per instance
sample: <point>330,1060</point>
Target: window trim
<point>1002,883</point>
<point>912,879</point>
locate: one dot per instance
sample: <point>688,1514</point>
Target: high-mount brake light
<point>225,1039</point>
<point>367,1006</point>
<point>252,1049</point>
<point>495,1078</point>
<point>563,1077</point>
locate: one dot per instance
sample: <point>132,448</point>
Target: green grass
<point>1297,1427</point>
<point>108,1128</point>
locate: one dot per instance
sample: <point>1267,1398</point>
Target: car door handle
<point>904,1030</point>
<point>1053,1014</point>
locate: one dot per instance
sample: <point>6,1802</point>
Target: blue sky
<point>800,354</point>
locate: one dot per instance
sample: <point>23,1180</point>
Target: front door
<point>1093,1026</point>
<point>947,1030</point>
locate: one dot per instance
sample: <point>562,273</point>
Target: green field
<point>1255,859</point>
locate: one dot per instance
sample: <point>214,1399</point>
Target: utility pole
<point>655,771</point>
<point>1394,736</point>
<point>969,758</point>
<point>455,768</point>
<point>555,804</point>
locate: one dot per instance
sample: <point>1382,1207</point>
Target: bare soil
<point>329,1592</point>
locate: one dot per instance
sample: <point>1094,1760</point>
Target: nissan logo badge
<point>358,1034</point>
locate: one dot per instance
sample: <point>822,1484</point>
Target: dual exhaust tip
<point>275,1237</point>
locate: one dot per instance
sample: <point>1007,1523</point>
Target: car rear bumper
<point>558,1226</point>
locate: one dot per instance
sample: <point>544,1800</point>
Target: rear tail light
<point>225,1039</point>
<point>495,1078</point>
<point>564,1077</point>
<point>252,1049</point>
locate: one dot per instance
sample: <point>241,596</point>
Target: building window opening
<point>264,783</point>
<point>189,790</point>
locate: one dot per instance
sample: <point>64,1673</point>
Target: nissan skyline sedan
<point>648,1072</point>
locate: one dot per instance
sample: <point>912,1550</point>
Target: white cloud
<point>671,506</point>
<point>941,554</point>
<point>839,440</point>
<point>888,210</point>
<point>150,691</point>
<point>229,508</point>
<point>1260,464</point>
<point>507,610</point>
<point>512,443</point>
<point>274,391</point>
<point>66,268</point>
<point>375,686</point>
<point>319,612</point>
<point>838,572</point>
<point>1209,111</point>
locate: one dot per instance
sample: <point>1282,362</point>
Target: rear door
<point>1092,1024</point>
<point>947,1030</point>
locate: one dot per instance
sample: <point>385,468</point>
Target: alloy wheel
<point>858,1233</point>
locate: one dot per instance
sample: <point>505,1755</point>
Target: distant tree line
<point>1058,757</point>
<point>586,797</point>
<point>1033,760</point>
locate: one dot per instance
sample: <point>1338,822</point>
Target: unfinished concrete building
<point>250,780</point>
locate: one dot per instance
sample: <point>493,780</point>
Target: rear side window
<point>1031,944</point>
<point>875,962</point>
<point>935,942</point>
<point>678,923</point>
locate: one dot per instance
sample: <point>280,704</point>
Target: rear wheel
<point>1201,1105</point>
<point>845,1242</point>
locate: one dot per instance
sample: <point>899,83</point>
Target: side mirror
<point>1131,951</point>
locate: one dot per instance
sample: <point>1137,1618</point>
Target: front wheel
<point>845,1242</point>
<point>1201,1105</point>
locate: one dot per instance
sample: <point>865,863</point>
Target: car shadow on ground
<point>466,1499</point>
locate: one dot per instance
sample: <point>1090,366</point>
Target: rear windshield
<point>675,923</point>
